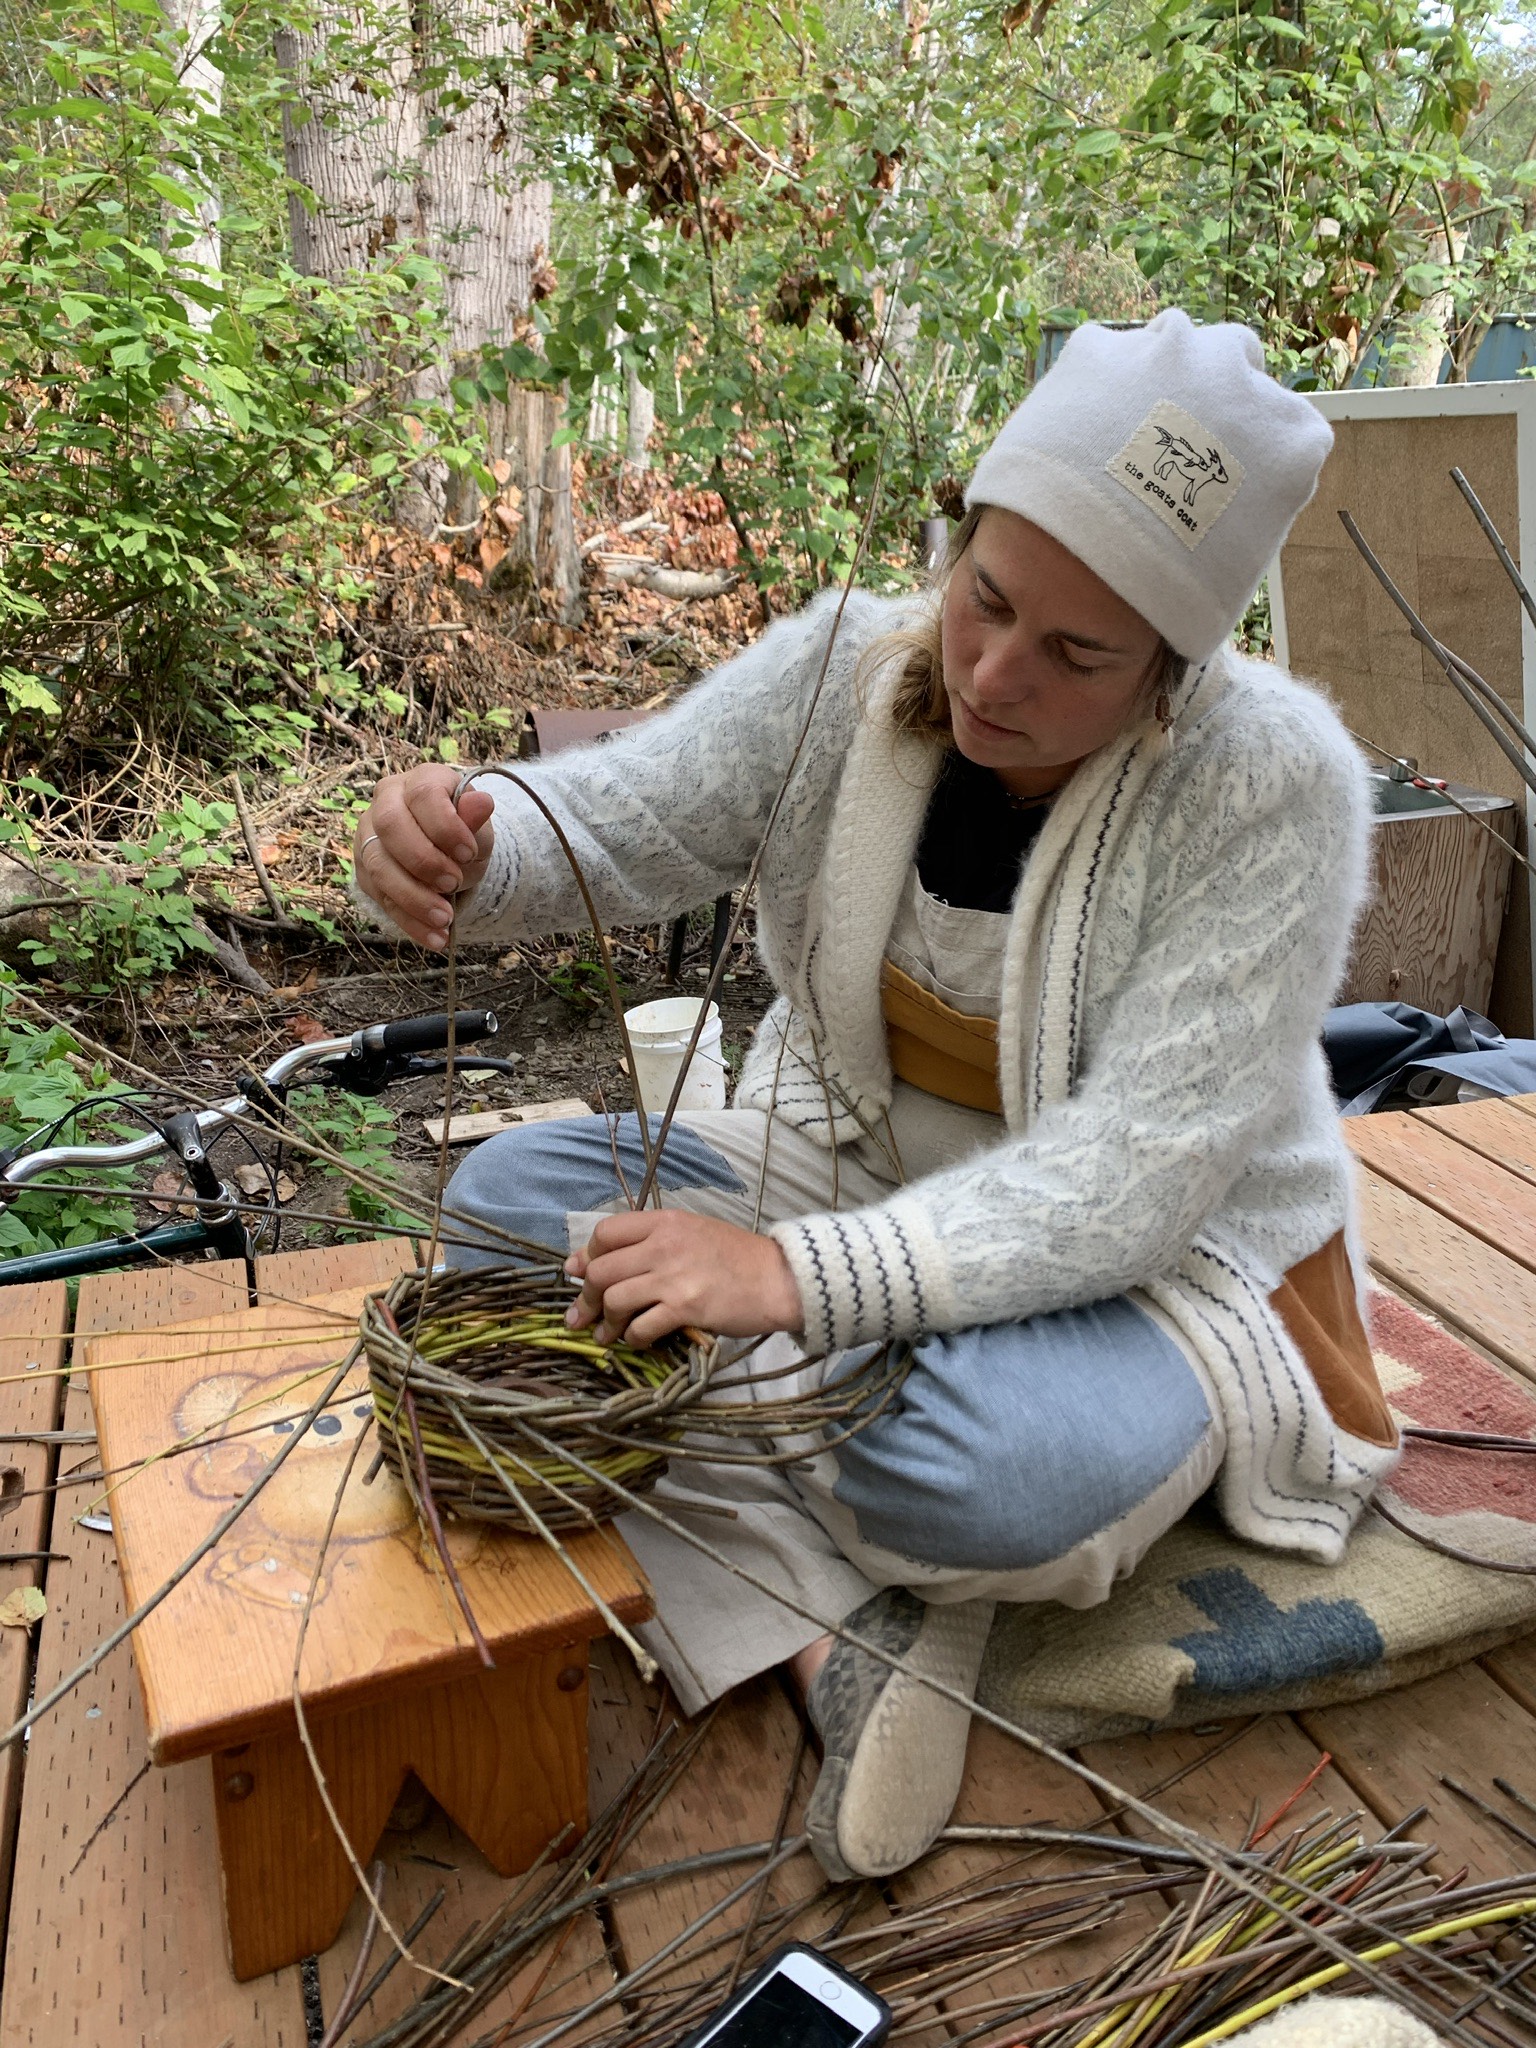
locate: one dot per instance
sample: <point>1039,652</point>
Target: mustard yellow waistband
<point>937,1048</point>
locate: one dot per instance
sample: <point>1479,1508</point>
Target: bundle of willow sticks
<point>484,1395</point>
<point>976,1944</point>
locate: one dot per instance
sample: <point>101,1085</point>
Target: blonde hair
<point>921,702</point>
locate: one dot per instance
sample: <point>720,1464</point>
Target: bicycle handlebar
<point>368,1050</point>
<point>429,1034</point>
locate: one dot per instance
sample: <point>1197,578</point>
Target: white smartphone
<point>798,1999</point>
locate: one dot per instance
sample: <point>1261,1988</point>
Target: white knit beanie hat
<point>1167,459</point>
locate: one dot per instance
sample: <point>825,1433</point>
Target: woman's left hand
<point>648,1272</point>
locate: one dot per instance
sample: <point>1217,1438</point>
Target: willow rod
<point>1230,1865</point>
<point>1511,752</point>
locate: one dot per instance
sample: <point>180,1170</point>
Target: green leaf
<point>173,194</point>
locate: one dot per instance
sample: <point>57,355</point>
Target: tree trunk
<point>486,218</point>
<point>413,136</point>
<point>544,555</point>
<point>1420,338</point>
<point>640,411</point>
<point>196,22</point>
<point>351,139</point>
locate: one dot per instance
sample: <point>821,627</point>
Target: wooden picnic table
<point>108,1865</point>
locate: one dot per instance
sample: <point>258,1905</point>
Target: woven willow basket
<point>499,1394</point>
<point>506,1416</point>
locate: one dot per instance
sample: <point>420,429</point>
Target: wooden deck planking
<point>1471,1287</point>
<point>733,1791</point>
<point>116,1938</point>
<point>1225,1791</point>
<point>1514,1668</point>
<point>328,1268</point>
<point>1394,1748</point>
<point>1450,1219</point>
<point>1006,1784</point>
<point>33,1321</point>
<point>1467,1187</point>
<point>1388,1751</point>
<point>1504,1131</point>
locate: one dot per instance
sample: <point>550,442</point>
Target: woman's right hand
<point>412,852</point>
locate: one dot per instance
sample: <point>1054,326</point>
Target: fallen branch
<point>681,584</point>
<point>248,833</point>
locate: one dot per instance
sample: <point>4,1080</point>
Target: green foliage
<point>803,232</point>
<point>178,445</point>
<point>1306,170</point>
<point>126,927</point>
<point>361,1131</point>
<point>43,1076</point>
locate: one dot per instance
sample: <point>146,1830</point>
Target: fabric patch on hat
<point>1180,470</point>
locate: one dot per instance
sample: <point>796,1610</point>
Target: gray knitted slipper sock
<point>893,1751</point>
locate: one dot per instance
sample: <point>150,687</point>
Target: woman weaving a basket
<point>1056,902</point>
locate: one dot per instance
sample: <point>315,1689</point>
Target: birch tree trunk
<point>406,127</point>
<point>1421,338</point>
<point>640,419</point>
<point>196,22</point>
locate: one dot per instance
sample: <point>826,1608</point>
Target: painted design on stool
<point>279,1535</point>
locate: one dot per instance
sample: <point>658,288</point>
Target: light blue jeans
<point>1024,1461</point>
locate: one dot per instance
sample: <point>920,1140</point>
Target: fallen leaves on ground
<point>21,1607</point>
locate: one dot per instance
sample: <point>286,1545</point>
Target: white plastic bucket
<point>658,1038</point>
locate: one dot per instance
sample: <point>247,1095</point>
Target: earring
<point>1162,710</point>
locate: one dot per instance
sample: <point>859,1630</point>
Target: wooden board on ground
<point>471,1126</point>
<point>215,1659</point>
<point>116,1939</point>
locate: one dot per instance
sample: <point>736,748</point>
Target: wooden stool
<point>391,1681</point>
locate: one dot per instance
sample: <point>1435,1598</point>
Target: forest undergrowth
<point>138,853</point>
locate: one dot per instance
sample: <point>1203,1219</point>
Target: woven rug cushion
<point>1209,1626</point>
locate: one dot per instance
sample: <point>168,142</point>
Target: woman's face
<point>1042,661</point>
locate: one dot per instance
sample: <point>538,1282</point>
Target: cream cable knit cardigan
<point>1178,933</point>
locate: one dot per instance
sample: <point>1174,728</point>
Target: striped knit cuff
<point>863,1274</point>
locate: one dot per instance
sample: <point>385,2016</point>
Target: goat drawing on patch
<point>1197,470</point>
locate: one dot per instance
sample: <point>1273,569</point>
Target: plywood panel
<point>1430,932</point>
<point>1394,476</point>
<point>116,1938</point>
